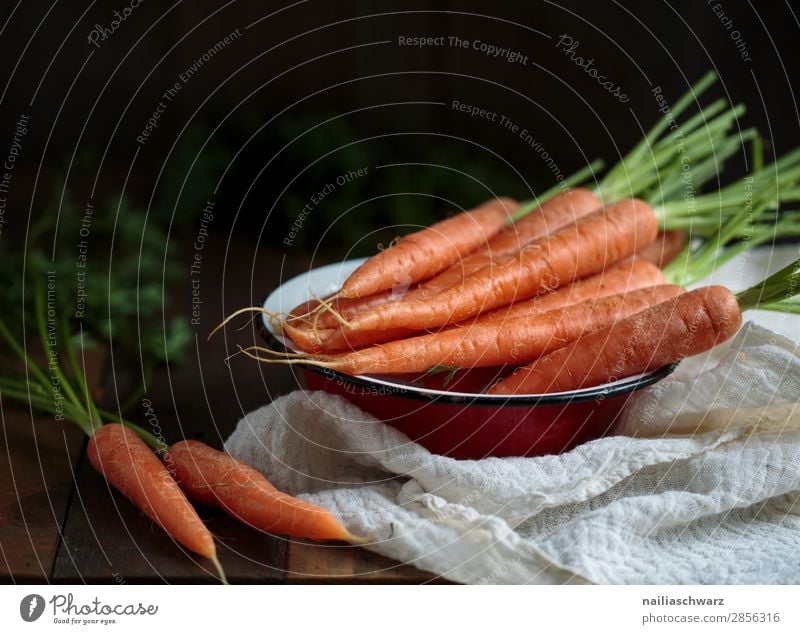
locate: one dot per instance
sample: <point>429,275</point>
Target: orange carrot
<point>621,278</point>
<point>305,337</point>
<point>664,249</point>
<point>550,216</point>
<point>131,467</point>
<point>670,331</point>
<point>578,250</point>
<point>618,279</point>
<point>312,341</point>
<point>425,253</point>
<point>513,341</point>
<point>217,479</point>
<point>555,213</point>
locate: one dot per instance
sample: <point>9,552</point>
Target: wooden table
<point>59,521</point>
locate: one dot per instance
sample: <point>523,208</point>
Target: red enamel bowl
<point>454,418</point>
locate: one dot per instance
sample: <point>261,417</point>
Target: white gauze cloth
<point>700,484</point>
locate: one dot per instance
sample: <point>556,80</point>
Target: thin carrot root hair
<point>287,358</point>
<point>220,570</point>
<point>276,353</point>
<point>327,304</point>
<point>277,320</point>
<point>321,304</point>
<point>249,309</point>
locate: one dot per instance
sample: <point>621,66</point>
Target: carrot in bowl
<point>578,250</point>
<point>535,222</point>
<point>618,279</point>
<point>664,249</point>
<point>423,254</point>
<point>499,342</point>
<point>662,334</point>
<point>553,214</point>
<point>215,478</point>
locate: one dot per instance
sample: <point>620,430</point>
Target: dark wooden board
<point>37,458</point>
<point>107,540</point>
<point>330,563</point>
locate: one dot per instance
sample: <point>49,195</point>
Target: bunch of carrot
<point>159,480</point>
<point>559,289</point>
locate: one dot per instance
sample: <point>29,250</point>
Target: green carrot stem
<point>53,363</point>
<point>147,375</point>
<point>21,391</point>
<point>17,349</point>
<point>779,286</point>
<point>158,445</point>
<point>695,146</point>
<point>678,182</point>
<point>694,264</point>
<point>757,153</point>
<point>733,196</point>
<point>692,123</point>
<point>571,181</point>
<point>785,306</point>
<point>640,149</point>
<point>42,403</point>
<point>80,377</point>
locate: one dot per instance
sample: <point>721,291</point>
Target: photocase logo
<point>31,607</point>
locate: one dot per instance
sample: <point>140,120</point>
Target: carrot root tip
<point>358,540</point>
<point>220,570</point>
<point>249,309</point>
<point>287,358</point>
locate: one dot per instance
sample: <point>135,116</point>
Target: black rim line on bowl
<point>593,394</point>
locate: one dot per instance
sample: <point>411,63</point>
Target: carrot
<point>512,341</point>
<point>556,212</point>
<point>621,278</point>
<point>217,479</point>
<point>618,279</point>
<point>664,249</point>
<point>304,336</point>
<point>577,250</point>
<point>668,332</point>
<point>425,253</point>
<point>312,341</point>
<point>132,468</point>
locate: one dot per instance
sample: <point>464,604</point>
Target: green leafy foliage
<point>104,272</point>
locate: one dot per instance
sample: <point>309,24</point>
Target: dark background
<point>310,91</point>
<point>303,65</point>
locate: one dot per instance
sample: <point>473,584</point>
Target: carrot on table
<point>217,479</point>
<point>423,254</point>
<point>668,332</point>
<point>578,250</point>
<point>132,468</point>
<point>491,343</point>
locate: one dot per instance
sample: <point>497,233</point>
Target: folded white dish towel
<point>701,484</point>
